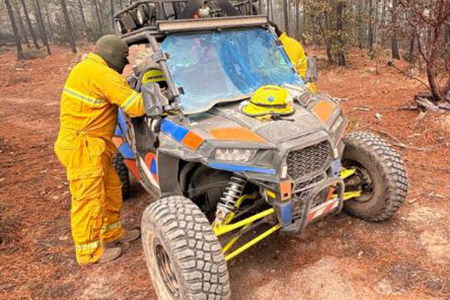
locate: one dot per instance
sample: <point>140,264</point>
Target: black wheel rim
<point>363,176</point>
<point>165,270</point>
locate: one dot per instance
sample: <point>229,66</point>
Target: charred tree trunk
<point>83,18</point>
<point>22,26</point>
<point>370,35</point>
<point>394,45</point>
<point>339,27</point>
<point>30,26</point>
<point>411,48</point>
<point>329,54</point>
<point>73,22</point>
<point>99,18</point>
<point>383,21</point>
<point>359,20</point>
<point>68,26</point>
<point>270,9</point>
<point>41,26</point>
<point>14,28</point>
<point>50,27</point>
<point>297,21</point>
<point>112,15</point>
<point>286,17</point>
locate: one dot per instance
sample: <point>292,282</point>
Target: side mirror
<point>312,70</point>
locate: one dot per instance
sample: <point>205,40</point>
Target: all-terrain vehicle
<point>220,172</point>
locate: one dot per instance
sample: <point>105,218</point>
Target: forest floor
<point>340,258</point>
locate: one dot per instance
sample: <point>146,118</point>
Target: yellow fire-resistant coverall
<point>297,55</point>
<point>89,105</point>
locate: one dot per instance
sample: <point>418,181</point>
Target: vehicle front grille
<point>307,160</point>
<point>304,184</point>
<point>299,197</point>
<point>298,203</point>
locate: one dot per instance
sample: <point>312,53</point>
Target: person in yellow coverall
<point>90,100</point>
<point>296,54</point>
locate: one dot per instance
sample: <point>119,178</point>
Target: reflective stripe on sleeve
<point>111,226</point>
<point>130,100</point>
<point>84,98</point>
<point>87,247</point>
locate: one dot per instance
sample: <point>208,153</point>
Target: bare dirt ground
<point>338,259</point>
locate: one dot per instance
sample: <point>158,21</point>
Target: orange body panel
<point>323,111</point>
<point>131,164</point>
<point>117,141</point>
<point>192,140</point>
<point>236,134</point>
<point>286,190</point>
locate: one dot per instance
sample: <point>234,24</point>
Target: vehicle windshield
<point>224,66</point>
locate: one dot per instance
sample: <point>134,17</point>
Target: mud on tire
<point>183,255</point>
<point>123,173</point>
<point>385,167</point>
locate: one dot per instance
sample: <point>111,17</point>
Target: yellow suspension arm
<point>344,173</point>
<point>222,229</point>
<point>233,240</point>
<point>252,242</point>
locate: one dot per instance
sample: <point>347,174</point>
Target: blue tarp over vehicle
<point>214,67</point>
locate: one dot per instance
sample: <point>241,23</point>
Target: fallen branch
<point>399,143</point>
<point>362,108</point>
<point>426,104</point>
<point>419,118</point>
<point>407,107</point>
<point>391,64</point>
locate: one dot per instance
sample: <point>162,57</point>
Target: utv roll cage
<point>144,13</point>
<point>154,32</point>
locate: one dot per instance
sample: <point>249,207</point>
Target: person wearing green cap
<point>90,100</point>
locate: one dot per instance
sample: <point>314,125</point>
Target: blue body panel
<point>286,213</point>
<point>241,168</point>
<point>177,132</point>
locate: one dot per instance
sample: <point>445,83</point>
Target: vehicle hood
<point>301,123</point>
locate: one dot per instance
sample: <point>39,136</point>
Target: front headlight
<point>232,154</point>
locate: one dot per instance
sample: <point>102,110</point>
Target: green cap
<point>113,50</point>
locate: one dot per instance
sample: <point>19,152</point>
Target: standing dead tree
<point>41,24</point>
<point>30,26</point>
<point>394,44</point>
<point>429,21</point>
<point>68,26</point>
<point>83,18</point>
<point>49,22</point>
<point>15,30</point>
<point>21,25</point>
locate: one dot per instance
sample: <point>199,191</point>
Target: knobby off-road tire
<point>386,169</point>
<point>123,173</point>
<point>183,255</point>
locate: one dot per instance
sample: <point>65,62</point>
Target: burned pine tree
<point>68,26</point>
<point>40,20</point>
<point>30,25</point>
<point>15,30</point>
<point>21,25</point>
